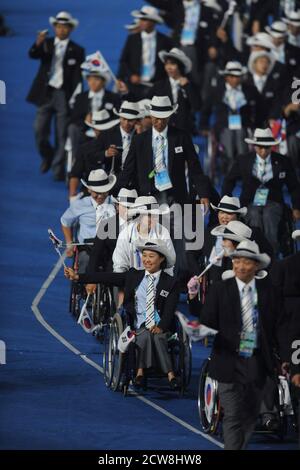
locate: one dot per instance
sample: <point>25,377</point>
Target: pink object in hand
<point>193,285</point>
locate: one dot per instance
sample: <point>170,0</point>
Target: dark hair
<point>177,62</point>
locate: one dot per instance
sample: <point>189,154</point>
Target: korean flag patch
<point>164,293</point>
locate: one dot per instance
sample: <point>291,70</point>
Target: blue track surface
<point>51,398</point>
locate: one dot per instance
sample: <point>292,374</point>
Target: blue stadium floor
<point>51,396</point>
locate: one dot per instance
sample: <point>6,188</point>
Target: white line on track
<point>76,351</point>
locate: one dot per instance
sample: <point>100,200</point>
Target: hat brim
<point>234,74</point>
<point>187,63</point>
<point>296,235</point>
<point>130,117</point>
<point>274,34</point>
<point>142,211</point>
<point>156,18</point>
<point>170,260</point>
<point>161,114</point>
<point>242,210</point>
<point>219,232</point>
<point>102,127</point>
<point>292,22</point>
<point>116,200</point>
<point>263,259</point>
<point>102,189</point>
<point>229,274</point>
<point>103,75</point>
<point>262,144</point>
<point>73,22</point>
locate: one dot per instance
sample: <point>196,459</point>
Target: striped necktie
<point>247,308</point>
<point>150,297</point>
<point>159,162</point>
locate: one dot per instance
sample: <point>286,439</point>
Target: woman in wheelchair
<point>150,300</point>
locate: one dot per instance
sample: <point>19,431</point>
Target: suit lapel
<point>234,299</point>
<point>162,286</point>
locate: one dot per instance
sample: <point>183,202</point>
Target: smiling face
<point>98,197</point>
<point>152,261</point>
<point>225,217</point>
<point>244,268</point>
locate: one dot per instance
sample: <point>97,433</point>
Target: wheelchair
<point>210,410</point>
<point>120,368</point>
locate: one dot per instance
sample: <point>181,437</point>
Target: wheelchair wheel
<point>116,358</point>
<point>103,305</point>
<point>208,402</point>
<point>75,300</point>
<point>107,356</point>
<point>181,354</point>
<point>185,359</point>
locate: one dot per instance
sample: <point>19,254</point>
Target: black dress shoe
<point>45,165</point>
<point>174,384</point>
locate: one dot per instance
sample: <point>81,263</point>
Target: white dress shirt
<point>126,141</point>
<point>126,256</point>
<point>97,99</point>
<point>260,81</point>
<point>262,168</point>
<point>57,71</point>
<point>148,55</point>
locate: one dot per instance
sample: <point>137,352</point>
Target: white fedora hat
<point>231,205</point>
<point>145,205</point>
<point>102,120</point>
<point>233,68</point>
<point>261,40</point>
<point>161,107</point>
<point>296,235</point>
<point>133,25</point>
<point>63,17</point>
<point>129,110</point>
<point>142,105</point>
<point>125,197</point>
<point>278,29</point>
<point>249,249</point>
<point>179,55</point>
<point>99,181</point>
<point>230,273</point>
<point>234,230</point>
<point>293,18</point>
<point>256,55</point>
<point>148,13</point>
<point>95,72</point>
<point>159,246</point>
<point>263,137</point>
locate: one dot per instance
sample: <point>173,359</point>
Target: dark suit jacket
<point>285,275</point>
<point>173,13</point>
<point>283,174</point>
<point>222,311</point>
<point>82,105</point>
<point>102,250</point>
<point>183,118</point>
<point>131,57</point>
<point>74,56</point>
<point>139,164</point>
<point>268,103</point>
<point>214,102</point>
<point>91,155</point>
<point>130,280</point>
